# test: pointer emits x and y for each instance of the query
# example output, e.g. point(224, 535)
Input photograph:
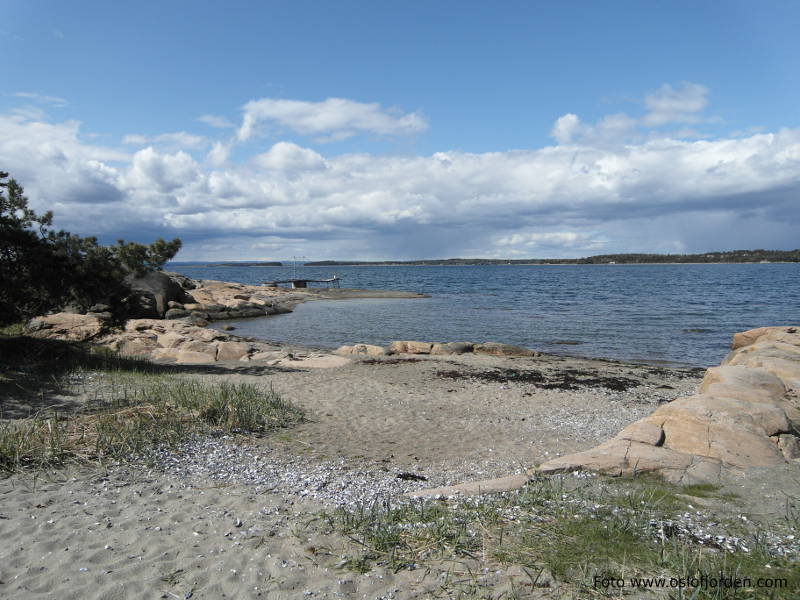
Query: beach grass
point(130, 407)
point(612, 543)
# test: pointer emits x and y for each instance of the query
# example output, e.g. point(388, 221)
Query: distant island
point(245, 264)
point(732, 256)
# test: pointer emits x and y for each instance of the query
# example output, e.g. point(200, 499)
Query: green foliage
point(42, 268)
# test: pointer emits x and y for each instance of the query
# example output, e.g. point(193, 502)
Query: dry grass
point(132, 408)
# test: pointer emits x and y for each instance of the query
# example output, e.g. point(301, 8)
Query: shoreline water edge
point(415, 430)
point(673, 314)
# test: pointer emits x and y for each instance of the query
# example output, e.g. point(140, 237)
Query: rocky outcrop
point(181, 342)
point(220, 300)
point(66, 326)
point(444, 348)
point(746, 414)
point(435, 349)
point(410, 347)
point(160, 294)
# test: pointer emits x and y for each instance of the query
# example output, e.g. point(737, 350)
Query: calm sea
point(683, 314)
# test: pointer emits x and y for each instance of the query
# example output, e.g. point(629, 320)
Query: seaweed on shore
point(389, 361)
point(683, 373)
point(567, 379)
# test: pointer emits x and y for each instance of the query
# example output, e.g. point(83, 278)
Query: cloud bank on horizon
point(265, 189)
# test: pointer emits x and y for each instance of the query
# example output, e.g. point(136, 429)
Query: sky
point(378, 130)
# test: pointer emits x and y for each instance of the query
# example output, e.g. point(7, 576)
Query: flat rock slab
point(474, 488)
point(66, 326)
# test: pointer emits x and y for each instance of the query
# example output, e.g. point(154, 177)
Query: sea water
point(682, 314)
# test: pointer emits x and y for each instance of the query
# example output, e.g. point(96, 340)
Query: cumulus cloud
point(218, 155)
point(666, 106)
point(286, 156)
point(566, 128)
point(151, 170)
point(333, 119)
point(576, 198)
point(611, 129)
point(56, 167)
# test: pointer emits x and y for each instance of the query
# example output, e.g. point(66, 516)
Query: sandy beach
point(238, 516)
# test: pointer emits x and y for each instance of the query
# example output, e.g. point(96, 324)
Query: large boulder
point(152, 293)
point(181, 280)
point(135, 346)
point(66, 326)
point(232, 350)
point(171, 340)
point(197, 346)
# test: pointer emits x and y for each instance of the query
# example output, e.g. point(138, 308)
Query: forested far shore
point(732, 256)
point(244, 264)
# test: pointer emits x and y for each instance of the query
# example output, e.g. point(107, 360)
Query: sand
point(226, 518)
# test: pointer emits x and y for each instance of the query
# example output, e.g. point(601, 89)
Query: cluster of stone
point(746, 414)
point(177, 341)
point(435, 348)
point(181, 342)
point(218, 300)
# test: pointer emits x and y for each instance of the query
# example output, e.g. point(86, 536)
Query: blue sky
point(379, 130)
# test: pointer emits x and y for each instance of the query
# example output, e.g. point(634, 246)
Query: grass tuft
point(133, 408)
point(577, 538)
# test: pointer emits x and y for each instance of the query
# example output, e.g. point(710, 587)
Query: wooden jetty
point(303, 283)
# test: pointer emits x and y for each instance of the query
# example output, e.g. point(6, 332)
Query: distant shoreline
point(729, 257)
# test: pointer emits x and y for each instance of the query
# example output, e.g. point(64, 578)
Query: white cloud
point(666, 106)
point(334, 118)
point(54, 100)
point(286, 156)
point(566, 128)
point(177, 139)
point(216, 121)
point(578, 198)
point(671, 105)
point(611, 129)
point(552, 238)
point(218, 155)
point(151, 171)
